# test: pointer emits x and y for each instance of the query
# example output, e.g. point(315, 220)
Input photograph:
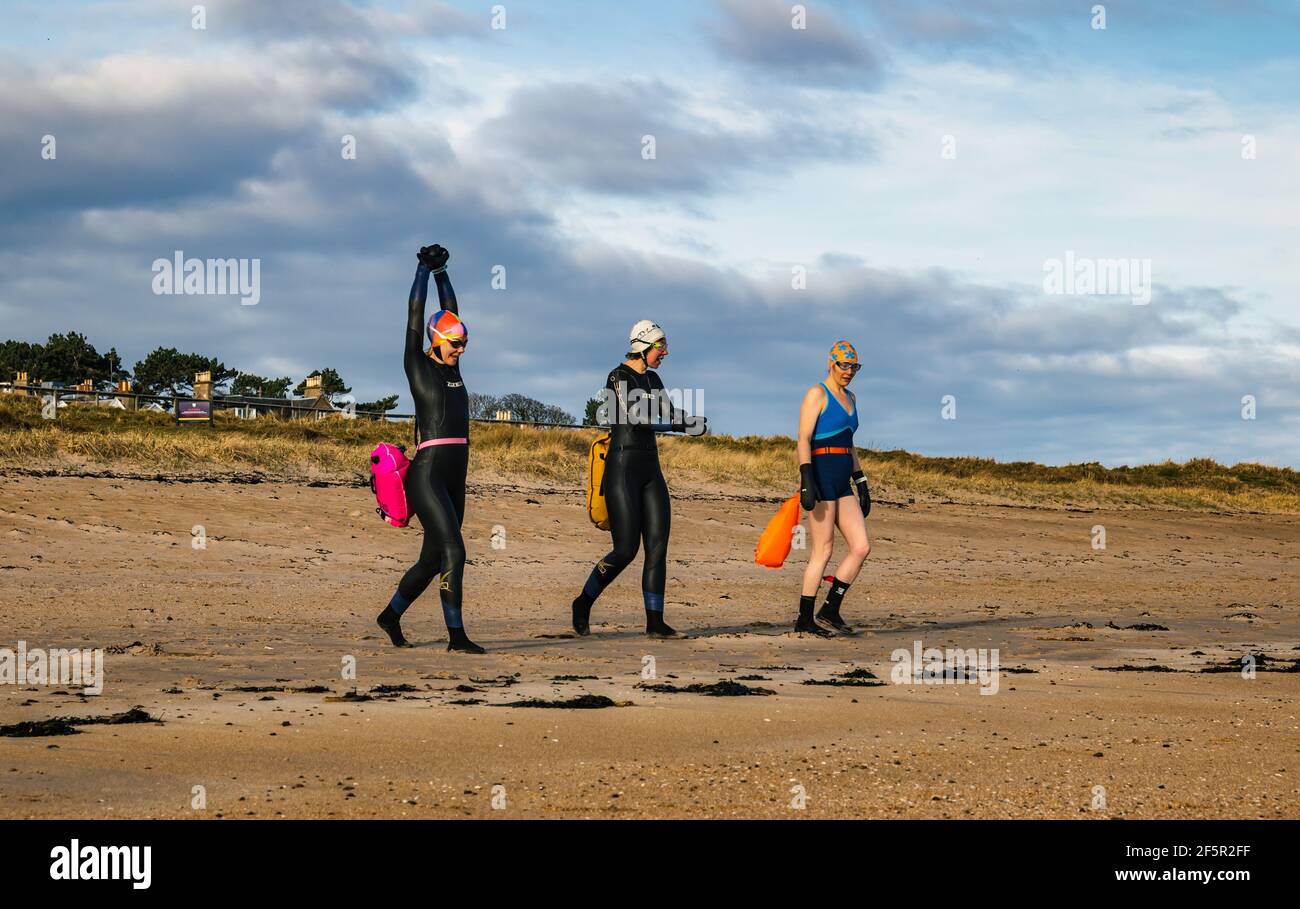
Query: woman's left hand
point(864, 491)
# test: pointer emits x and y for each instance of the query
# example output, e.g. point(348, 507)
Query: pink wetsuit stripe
point(446, 441)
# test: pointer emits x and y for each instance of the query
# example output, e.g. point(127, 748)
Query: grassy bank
point(100, 438)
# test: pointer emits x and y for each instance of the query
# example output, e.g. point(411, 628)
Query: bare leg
point(821, 527)
point(854, 527)
point(821, 533)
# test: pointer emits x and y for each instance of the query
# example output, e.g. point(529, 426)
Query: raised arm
point(433, 261)
point(446, 296)
point(415, 315)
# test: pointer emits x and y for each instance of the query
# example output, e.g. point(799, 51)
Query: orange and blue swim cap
point(844, 352)
point(445, 325)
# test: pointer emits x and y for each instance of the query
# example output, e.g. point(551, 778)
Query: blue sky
point(777, 149)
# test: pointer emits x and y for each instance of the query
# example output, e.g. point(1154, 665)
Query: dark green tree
point(167, 370)
point(331, 384)
point(115, 368)
point(248, 384)
point(383, 405)
point(20, 356)
point(71, 359)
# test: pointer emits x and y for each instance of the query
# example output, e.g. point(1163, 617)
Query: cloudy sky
point(920, 165)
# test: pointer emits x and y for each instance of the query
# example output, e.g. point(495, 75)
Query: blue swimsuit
point(834, 429)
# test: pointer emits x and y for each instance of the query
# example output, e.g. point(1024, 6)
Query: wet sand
point(286, 591)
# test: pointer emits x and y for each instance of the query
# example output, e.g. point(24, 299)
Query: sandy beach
point(283, 595)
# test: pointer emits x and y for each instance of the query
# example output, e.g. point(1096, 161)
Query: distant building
point(314, 404)
point(20, 379)
point(251, 406)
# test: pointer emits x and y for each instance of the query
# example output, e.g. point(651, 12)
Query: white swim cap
point(643, 336)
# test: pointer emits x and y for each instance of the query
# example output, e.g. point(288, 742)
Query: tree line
point(70, 359)
point(520, 407)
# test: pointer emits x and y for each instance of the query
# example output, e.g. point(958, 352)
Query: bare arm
point(814, 401)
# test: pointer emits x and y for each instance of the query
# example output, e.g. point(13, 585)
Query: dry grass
point(1199, 484)
point(335, 448)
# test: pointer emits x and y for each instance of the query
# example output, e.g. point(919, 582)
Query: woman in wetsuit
point(435, 481)
point(635, 491)
point(833, 488)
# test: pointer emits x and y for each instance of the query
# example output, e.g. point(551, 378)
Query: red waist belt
point(825, 451)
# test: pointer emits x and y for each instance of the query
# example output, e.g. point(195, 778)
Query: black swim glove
point(864, 491)
point(433, 257)
point(807, 487)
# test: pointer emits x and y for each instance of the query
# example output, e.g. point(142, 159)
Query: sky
point(902, 176)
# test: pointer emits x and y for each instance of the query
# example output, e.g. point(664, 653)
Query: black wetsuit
point(635, 492)
point(435, 481)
